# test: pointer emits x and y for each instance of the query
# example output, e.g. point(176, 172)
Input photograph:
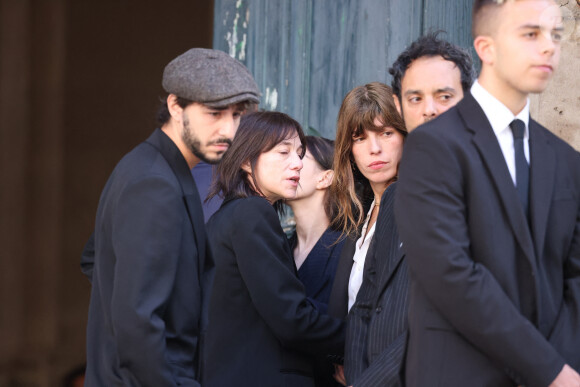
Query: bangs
point(285, 133)
point(364, 119)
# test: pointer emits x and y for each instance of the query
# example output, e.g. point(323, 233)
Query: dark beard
point(194, 145)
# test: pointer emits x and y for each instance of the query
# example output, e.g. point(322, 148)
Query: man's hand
point(566, 377)
point(339, 374)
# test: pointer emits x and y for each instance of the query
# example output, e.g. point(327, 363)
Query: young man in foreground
point(488, 209)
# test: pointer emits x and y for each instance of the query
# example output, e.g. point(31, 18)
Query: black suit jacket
point(317, 275)
point(149, 269)
point(261, 324)
point(377, 322)
point(319, 268)
point(494, 301)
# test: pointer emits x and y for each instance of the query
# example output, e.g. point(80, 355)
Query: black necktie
point(525, 272)
point(522, 168)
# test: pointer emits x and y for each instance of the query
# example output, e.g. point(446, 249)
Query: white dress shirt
point(500, 117)
point(360, 254)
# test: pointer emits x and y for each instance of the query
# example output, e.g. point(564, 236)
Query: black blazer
point(149, 270)
point(259, 316)
point(377, 322)
point(338, 302)
point(317, 275)
point(494, 301)
point(319, 268)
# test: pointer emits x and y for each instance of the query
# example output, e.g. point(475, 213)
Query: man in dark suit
point(147, 260)
point(488, 209)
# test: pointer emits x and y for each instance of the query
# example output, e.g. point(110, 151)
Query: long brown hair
point(350, 189)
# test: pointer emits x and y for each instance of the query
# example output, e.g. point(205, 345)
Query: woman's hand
point(339, 374)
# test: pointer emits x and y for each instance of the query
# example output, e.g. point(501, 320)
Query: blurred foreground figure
point(488, 210)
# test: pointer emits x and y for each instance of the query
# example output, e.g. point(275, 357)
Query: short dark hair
point(430, 45)
point(163, 114)
point(481, 10)
point(258, 132)
point(322, 150)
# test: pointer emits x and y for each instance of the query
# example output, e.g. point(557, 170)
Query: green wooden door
point(307, 54)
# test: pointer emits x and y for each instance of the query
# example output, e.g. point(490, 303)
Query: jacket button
point(379, 309)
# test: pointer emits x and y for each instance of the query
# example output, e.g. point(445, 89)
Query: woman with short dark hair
point(316, 244)
point(261, 324)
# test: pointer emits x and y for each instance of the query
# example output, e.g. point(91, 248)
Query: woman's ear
point(246, 167)
point(325, 179)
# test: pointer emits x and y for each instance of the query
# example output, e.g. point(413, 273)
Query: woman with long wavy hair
point(372, 279)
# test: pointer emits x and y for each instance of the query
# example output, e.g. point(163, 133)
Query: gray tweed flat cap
point(211, 77)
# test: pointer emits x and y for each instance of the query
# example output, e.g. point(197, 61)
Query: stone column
point(558, 107)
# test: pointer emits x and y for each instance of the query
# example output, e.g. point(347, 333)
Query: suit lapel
point(193, 205)
point(191, 198)
point(542, 174)
point(338, 303)
point(488, 147)
point(372, 262)
point(391, 268)
point(386, 252)
point(314, 266)
point(389, 246)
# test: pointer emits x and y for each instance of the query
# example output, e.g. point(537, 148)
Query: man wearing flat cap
point(148, 259)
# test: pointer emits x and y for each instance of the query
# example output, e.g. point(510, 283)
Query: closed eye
point(301, 153)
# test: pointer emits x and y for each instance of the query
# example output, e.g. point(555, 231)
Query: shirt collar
point(498, 115)
point(370, 211)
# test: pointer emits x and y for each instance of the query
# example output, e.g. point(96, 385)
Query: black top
point(259, 315)
point(318, 269)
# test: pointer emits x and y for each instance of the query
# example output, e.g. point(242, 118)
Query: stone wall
point(558, 108)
